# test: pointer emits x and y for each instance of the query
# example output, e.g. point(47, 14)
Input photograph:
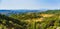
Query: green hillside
point(39, 20)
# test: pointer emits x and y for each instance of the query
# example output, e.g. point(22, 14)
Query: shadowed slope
point(11, 19)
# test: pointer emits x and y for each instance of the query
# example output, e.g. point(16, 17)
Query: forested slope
point(9, 23)
point(49, 19)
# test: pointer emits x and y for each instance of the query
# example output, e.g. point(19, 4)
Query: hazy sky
point(29, 4)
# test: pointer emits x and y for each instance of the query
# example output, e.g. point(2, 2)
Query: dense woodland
point(49, 19)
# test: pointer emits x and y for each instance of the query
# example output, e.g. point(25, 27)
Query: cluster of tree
point(25, 16)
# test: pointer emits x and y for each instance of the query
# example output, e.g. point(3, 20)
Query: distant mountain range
point(7, 12)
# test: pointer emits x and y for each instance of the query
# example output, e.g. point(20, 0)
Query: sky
point(29, 4)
